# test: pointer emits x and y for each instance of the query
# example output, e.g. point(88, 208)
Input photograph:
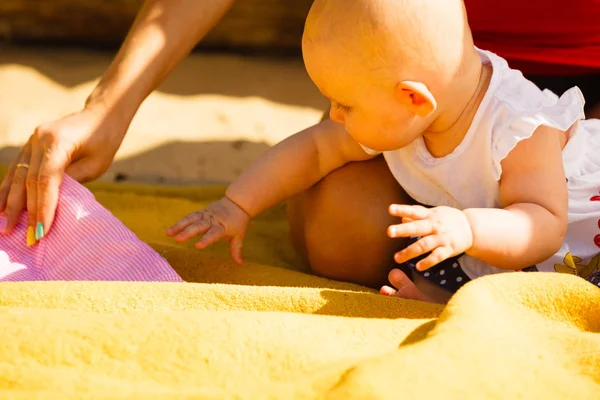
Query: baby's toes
point(403, 287)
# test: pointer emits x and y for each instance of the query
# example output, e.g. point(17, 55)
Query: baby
point(507, 176)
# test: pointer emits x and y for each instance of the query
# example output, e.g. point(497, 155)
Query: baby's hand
point(220, 220)
point(444, 231)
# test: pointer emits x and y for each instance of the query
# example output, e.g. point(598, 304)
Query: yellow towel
point(267, 330)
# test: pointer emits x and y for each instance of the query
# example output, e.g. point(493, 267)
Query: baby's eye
point(341, 107)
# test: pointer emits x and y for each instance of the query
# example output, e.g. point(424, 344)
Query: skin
point(344, 247)
point(532, 187)
point(385, 108)
point(84, 143)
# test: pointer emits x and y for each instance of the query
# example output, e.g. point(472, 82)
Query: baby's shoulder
point(514, 107)
point(514, 103)
point(512, 97)
point(515, 94)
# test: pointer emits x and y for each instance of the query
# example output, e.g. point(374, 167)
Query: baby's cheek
point(361, 125)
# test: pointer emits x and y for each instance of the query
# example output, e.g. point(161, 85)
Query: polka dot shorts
point(448, 274)
point(595, 278)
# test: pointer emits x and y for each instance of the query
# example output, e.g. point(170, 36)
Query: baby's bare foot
point(403, 287)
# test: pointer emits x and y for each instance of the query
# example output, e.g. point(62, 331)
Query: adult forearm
point(163, 33)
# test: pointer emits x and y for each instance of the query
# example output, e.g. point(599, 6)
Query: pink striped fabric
point(86, 243)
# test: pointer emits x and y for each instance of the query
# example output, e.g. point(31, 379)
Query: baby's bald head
point(417, 36)
point(386, 65)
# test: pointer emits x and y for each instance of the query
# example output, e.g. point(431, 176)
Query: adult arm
point(84, 144)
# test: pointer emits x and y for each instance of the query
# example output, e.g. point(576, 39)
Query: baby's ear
point(416, 97)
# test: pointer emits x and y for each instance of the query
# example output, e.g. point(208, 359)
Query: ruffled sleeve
point(560, 113)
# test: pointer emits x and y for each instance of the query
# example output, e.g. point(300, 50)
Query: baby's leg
point(339, 225)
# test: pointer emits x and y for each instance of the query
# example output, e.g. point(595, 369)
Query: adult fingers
point(415, 228)
point(53, 161)
point(420, 247)
point(16, 200)
point(32, 181)
point(5, 186)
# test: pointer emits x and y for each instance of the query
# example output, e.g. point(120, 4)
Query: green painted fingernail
point(39, 231)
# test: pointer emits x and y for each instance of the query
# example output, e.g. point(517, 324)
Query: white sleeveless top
point(511, 110)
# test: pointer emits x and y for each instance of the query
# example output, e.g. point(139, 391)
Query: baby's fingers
point(235, 247)
point(410, 212)
point(184, 222)
point(437, 256)
point(196, 229)
point(215, 233)
point(408, 229)
point(420, 247)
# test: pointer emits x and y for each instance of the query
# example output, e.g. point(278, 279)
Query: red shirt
point(544, 37)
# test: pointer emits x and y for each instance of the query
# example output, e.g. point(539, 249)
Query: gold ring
point(24, 165)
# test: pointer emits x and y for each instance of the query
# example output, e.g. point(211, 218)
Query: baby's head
point(387, 66)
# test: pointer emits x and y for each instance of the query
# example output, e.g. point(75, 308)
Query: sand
point(213, 115)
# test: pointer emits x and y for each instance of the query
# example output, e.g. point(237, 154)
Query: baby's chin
point(404, 141)
point(381, 141)
point(391, 146)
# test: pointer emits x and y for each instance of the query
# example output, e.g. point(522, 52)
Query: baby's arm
point(288, 168)
point(533, 191)
point(294, 165)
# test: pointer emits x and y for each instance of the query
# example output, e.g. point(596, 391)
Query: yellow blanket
point(267, 330)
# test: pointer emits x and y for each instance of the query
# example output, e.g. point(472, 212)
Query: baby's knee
point(366, 264)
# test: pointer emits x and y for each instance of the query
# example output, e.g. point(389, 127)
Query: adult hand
point(445, 232)
point(82, 144)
